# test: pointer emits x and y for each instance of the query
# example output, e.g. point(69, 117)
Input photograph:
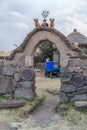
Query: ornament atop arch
point(44, 23)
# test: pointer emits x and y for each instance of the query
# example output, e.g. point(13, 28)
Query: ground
point(44, 116)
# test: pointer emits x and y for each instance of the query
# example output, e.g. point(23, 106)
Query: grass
point(53, 91)
point(6, 115)
point(44, 85)
point(74, 116)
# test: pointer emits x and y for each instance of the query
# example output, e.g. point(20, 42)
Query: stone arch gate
point(73, 63)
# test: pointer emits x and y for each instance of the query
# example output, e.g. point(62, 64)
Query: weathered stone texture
point(21, 81)
point(68, 88)
point(16, 77)
point(79, 97)
point(5, 85)
point(63, 97)
point(65, 77)
point(26, 84)
point(8, 70)
point(84, 64)
point(24, 93)
point(27, 74)
point(74, 62)
point(78, 80)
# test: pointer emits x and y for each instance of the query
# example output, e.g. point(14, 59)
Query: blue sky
point(16, 18)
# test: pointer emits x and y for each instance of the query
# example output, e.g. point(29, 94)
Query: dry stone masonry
point(17, 82)
point(74, 80)
point(17, 78)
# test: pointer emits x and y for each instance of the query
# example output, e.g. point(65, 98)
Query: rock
point(0, 72)
point(27, 74)
point(63, 97)
point(14, 84)
point(16, 77)
point(80, 103)
point(85, 73)
point(10, 95)
point(86, 82)
point(24, 93)
point(75, 69)
point(82, 90)
point(70, 94)
point(64, 69)
point(67, 88)
point(1, 63)
point(75, 62)
point(78, 80)
point(8, 71)
point(12, 104)
point(65, 77)
point(79, 97)
point(5, 85)
point(84, 65)
point(26, 84)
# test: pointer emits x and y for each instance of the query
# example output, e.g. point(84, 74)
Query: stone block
point(85, 73)
point(74, 62)
point(71, 94)
point(27, 74)
point(14, 84)
point(26, 84)
point(28, 61)
point(79, 97)
point(8, 71)
point(0, 72)
point(80, 103)
point(75, 69)
point(5, 85)
point(24, 93)
point(65, 77)
point(84, 64)
point(64, 69)
point(78, 80)
point(63, 97)
point(82, 90)
point(16, 77)
point(67, 88)
point(1, 63)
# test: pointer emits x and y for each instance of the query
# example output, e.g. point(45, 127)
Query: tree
point(46, 48)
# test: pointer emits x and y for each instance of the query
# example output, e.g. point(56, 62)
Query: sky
point(16, 18)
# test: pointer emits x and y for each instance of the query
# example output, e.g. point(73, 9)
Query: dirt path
point(43, 115)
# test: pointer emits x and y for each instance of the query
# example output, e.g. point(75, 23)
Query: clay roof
point(77, 37)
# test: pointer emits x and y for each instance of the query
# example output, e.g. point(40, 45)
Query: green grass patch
point(52, 91)
point(11, 114)
point(28, 107)
point(75, 116)
point(82, 109)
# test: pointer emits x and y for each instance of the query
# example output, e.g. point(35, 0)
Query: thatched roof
point(77, 37)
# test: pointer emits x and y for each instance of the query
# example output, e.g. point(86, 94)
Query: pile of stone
point(74, 80)
point(26, 83)
point(17, 82)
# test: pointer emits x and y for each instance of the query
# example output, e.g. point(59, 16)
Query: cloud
point(16, 18)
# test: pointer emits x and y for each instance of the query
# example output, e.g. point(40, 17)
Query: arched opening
point(46, 51)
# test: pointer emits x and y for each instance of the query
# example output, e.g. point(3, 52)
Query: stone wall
point(16, 81)
point(74, 80)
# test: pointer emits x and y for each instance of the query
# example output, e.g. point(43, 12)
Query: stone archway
point(73, 62)
point(29, 45)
